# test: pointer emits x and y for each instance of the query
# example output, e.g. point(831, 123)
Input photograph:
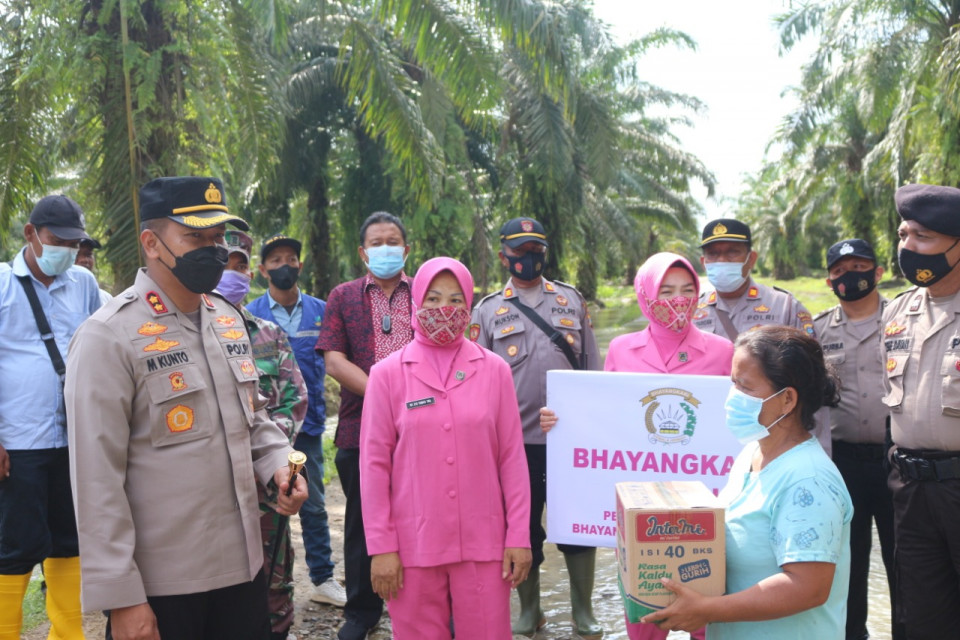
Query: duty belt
point(916, 466)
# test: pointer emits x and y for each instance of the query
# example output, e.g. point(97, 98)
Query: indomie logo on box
point(667, 526)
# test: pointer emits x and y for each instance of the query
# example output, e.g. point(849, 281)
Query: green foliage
point(878, 109)
point(454, 114)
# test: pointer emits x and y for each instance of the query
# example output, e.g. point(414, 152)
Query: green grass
point(34, 607)
point(813, 292)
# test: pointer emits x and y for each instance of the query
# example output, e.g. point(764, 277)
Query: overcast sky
point(736, 71)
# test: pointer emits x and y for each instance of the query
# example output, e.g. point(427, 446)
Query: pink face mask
point(672, 313)
point(443, 325)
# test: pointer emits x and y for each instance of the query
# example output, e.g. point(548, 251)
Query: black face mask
point(529, 266)
point(199, 270)
point(854, 285)
point(924, 270)
point(284, 277)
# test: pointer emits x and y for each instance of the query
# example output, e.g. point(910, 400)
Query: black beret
point(936, 208)
point(854, 247)
point(725, 230)
point(279, 240)
point(192, 201)
point(522, 230)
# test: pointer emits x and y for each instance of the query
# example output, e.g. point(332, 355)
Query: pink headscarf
point(440, 357)
point(647, 285)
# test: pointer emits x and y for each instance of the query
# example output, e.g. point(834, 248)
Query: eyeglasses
point(386, 324)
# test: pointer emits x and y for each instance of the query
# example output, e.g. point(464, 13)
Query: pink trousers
point(640, 631)
point(479, 597)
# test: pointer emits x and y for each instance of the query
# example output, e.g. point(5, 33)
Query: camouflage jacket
point(281, 382)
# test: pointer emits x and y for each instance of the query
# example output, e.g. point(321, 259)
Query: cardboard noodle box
point(668, 530)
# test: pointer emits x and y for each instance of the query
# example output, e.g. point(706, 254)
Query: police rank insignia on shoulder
point(233, 334)
point(151, 329)
point(508, 293)
point(206, 301)
point(916, 302)
point(549, 288)
point(160, 345)
point(753, 292)
point(712, 298)
point(226, 321)
point(562, 301)
point(156, 302)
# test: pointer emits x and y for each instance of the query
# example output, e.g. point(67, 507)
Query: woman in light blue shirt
point(788, 511)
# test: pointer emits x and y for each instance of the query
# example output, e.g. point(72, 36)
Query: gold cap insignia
point(719, 229)
point(213, 195)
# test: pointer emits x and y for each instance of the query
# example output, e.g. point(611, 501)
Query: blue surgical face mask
point(743, 416)
point(55, 260)
point(386, 260)
point(234, 286)
point(725, 276)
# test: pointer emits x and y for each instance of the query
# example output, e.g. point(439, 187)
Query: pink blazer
point(705, 354)
point(443, 474)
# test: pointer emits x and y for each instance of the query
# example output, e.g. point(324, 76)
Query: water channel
point(555, 597)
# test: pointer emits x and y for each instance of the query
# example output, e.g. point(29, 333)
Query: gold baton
point(295, 460)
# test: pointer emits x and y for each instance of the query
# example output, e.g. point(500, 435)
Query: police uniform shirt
point(167, 438)
point(921, 350)
point(501, 327)
point(759, 306)
point(851, 349)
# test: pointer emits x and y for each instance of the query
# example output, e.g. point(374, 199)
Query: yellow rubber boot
point(12, 590)
point(63, 598)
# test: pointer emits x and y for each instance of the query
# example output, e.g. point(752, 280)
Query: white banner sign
point(616, 427)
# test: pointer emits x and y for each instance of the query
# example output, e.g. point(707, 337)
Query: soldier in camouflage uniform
point(281, 383)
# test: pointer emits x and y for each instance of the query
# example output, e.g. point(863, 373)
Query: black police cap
point(61, 216)
point(850, 248)
point(725, 230)
point(279, 240)
point(195, 202)
point(521, 230)
point(936, 208)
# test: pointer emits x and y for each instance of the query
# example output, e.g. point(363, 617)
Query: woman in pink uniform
point(667, 289)
point(443, 476)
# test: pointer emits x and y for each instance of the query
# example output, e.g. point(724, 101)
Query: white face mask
point(725, 276)
point(55, 260)
point(743, 416)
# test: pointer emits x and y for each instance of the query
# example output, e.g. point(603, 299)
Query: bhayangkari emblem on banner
point(671, 415)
